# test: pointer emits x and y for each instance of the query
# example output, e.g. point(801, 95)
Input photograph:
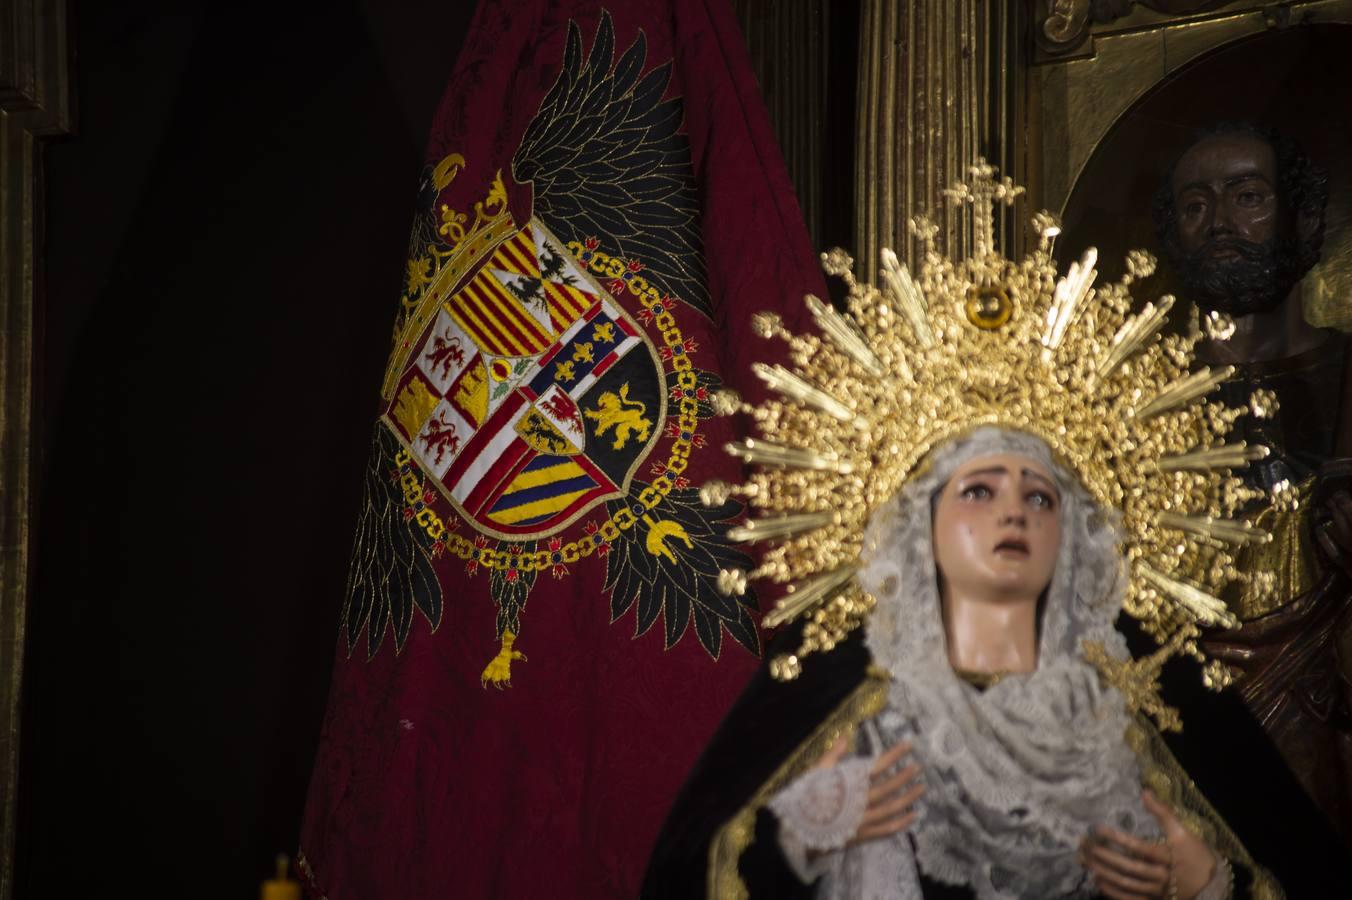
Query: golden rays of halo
point(987, 340)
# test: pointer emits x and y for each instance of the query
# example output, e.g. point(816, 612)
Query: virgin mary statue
point(965, 482)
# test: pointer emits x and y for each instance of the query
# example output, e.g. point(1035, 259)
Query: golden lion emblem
point(624, 415)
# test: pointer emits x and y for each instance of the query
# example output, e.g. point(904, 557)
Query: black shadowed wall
point(225, 237)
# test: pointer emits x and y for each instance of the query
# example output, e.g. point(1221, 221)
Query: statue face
point(1225, 187)
point(997, 528)
point(1228, 224)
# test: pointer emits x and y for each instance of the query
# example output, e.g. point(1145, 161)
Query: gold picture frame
point(1087, 76)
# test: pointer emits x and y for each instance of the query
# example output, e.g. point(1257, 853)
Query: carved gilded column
point(34, 104)
point(940, 82)
point(789, 47)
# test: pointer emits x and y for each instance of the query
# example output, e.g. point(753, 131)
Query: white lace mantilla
point(1018, 774)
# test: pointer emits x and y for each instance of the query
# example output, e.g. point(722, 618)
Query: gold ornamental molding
point(34, 105)
point(1094, 59)
point(1062, 27)
point(941, 82)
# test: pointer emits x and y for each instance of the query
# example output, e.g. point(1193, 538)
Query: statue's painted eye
point(976, 492)
point(1042, 500)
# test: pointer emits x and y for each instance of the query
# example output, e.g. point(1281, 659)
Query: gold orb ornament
point(989, 307)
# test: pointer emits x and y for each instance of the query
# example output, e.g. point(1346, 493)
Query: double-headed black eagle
point(605, 159)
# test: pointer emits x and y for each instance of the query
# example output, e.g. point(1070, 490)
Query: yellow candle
point(281, 887)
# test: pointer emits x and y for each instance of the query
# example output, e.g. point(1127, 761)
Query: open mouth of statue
point(1012, 547)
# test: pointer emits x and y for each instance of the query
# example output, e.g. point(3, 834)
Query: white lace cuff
point(801, 862)
point(820, 811)
point(1222, 883)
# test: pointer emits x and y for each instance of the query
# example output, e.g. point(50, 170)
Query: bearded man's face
point(1235, 249)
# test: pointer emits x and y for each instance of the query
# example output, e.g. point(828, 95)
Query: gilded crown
point(437, 266)
point(989, 340)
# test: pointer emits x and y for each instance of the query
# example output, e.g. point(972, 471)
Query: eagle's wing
point(674, 572)
point(391, 572)
point(606, 159)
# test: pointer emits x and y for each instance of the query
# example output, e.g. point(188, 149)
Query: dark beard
point(1255, 280)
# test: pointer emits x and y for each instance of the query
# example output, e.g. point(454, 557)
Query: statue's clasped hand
point(1129, 868)
point(891, 795)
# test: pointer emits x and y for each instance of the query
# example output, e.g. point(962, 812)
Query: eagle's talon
point(498, 672)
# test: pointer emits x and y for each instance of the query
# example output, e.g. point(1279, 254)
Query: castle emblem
point(498, 391)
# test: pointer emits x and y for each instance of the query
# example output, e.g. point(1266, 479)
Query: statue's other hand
point(890, 796)
point(1331, 523)
point(1128, 868)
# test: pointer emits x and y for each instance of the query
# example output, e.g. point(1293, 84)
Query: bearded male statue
point(1241, 219)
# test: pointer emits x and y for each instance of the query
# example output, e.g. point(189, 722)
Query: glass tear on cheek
point(406, 724)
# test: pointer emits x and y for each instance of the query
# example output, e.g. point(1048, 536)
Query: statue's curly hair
point(1302, 186)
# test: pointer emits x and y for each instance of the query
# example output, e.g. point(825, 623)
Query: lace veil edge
point(1161, 772)
point(737, 834)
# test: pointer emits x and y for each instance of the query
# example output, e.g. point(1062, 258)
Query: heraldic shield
point(530, 396)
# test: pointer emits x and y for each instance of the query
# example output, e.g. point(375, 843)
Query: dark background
point(225, 236)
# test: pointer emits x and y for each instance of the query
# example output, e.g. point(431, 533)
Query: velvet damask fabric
point(534, 649)
point(773, 719)
point(767, 725)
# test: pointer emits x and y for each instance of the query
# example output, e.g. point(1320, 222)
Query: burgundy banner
point(534, 646)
